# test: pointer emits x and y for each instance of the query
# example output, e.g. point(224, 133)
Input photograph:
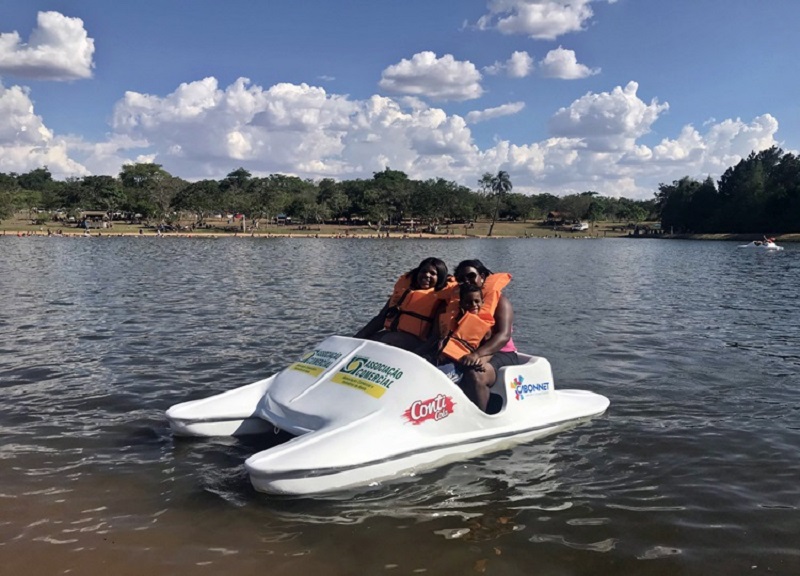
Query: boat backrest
point(520, 384)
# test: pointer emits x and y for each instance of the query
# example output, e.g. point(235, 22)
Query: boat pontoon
point(362, 412)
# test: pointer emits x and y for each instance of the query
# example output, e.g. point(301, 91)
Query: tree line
point(760, 194)
point(150, 193)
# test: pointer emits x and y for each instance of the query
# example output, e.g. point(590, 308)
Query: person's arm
point(375, 324)
point(501, 334)
point(430, 347)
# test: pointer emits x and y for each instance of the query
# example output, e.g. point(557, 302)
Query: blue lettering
point(531, 388)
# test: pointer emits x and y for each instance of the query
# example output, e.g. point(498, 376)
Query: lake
point(693, 470)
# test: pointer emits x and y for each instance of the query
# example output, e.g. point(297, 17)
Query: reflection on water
point(692, 471)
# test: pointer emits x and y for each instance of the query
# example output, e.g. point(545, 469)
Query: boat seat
point(495, 404)
point(498, 395)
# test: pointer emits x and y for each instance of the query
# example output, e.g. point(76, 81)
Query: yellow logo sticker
point(314, 363)
point(374, 390)
point(307, 368)
point(367, 375)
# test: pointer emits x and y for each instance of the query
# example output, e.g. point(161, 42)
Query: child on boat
point(470, 302)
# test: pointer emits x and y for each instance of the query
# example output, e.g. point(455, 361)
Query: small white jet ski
point(762, 245)
point(363, 412)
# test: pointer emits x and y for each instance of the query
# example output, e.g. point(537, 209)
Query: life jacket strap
point(394, 311)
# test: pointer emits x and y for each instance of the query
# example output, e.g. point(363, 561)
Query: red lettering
point(435, 408)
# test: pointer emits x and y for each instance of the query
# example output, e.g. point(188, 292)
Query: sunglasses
point(472, 276)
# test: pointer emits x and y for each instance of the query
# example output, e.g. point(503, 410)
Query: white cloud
point(538, 19)
point(203, 130)
point(20, 125)
point(519, 65)
point(25, 142)
point(722, 146)
point(608, 121)
point(59, 49)
point(490, 113)
point(426, 75)
point(242, 122)
point(561, 63)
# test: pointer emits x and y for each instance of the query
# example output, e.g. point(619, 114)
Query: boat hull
point(363, 412)
point(326, 480)
point(766, 246)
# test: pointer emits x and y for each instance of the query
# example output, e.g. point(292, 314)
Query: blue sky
point(613, 96)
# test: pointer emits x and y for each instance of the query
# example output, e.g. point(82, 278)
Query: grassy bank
point(480, 229)
point(22, 224)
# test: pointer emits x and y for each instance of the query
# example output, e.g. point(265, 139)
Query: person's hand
point(473, 361)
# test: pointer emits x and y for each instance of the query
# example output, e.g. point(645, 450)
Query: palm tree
point(501, 185)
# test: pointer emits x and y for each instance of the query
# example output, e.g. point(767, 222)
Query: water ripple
point(692, 470)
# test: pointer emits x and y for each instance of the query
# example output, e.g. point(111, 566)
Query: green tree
point(702, 211)
point(598, 208)
point(8, 189)
point(673, 202)
point(546, 203)
point(301, 197)
point(576, 206)
point(782, 203)
point(39, 180)
point(338, 203)
point(234, 189)
point(148, 189)
point(519, 207)
point(500, 185)
point(394, 191)
point(267, 199)
point(200, 198)
point(742, 193)
point(101, 193)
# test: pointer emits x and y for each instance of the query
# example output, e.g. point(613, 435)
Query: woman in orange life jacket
point(482, 364)
point(406, 319)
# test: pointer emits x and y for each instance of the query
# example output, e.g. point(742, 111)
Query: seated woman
point(406, 319)
point(480, 365)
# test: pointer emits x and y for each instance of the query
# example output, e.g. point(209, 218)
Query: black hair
point(465, 289)
point(441, 272)
point(474, 263)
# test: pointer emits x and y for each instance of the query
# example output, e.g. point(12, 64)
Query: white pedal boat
point(363, 412)
point(758, 245)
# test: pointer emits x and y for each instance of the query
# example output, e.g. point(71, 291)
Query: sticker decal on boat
point(521, 390)
point(436, 408)
point(315, 362)
point(367, 375)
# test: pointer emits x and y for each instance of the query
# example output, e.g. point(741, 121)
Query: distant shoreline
point(24, 226)
point(99, 233)
point(374, 235)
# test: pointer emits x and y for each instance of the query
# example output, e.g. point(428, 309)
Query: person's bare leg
point(477, 385)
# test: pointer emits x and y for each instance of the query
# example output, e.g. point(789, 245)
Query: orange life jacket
point(412, 311)
point(463, 334)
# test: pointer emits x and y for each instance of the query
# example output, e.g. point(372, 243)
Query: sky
point(567, 96)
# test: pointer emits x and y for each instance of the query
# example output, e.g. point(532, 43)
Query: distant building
point(94, 219)
point(554, 218)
